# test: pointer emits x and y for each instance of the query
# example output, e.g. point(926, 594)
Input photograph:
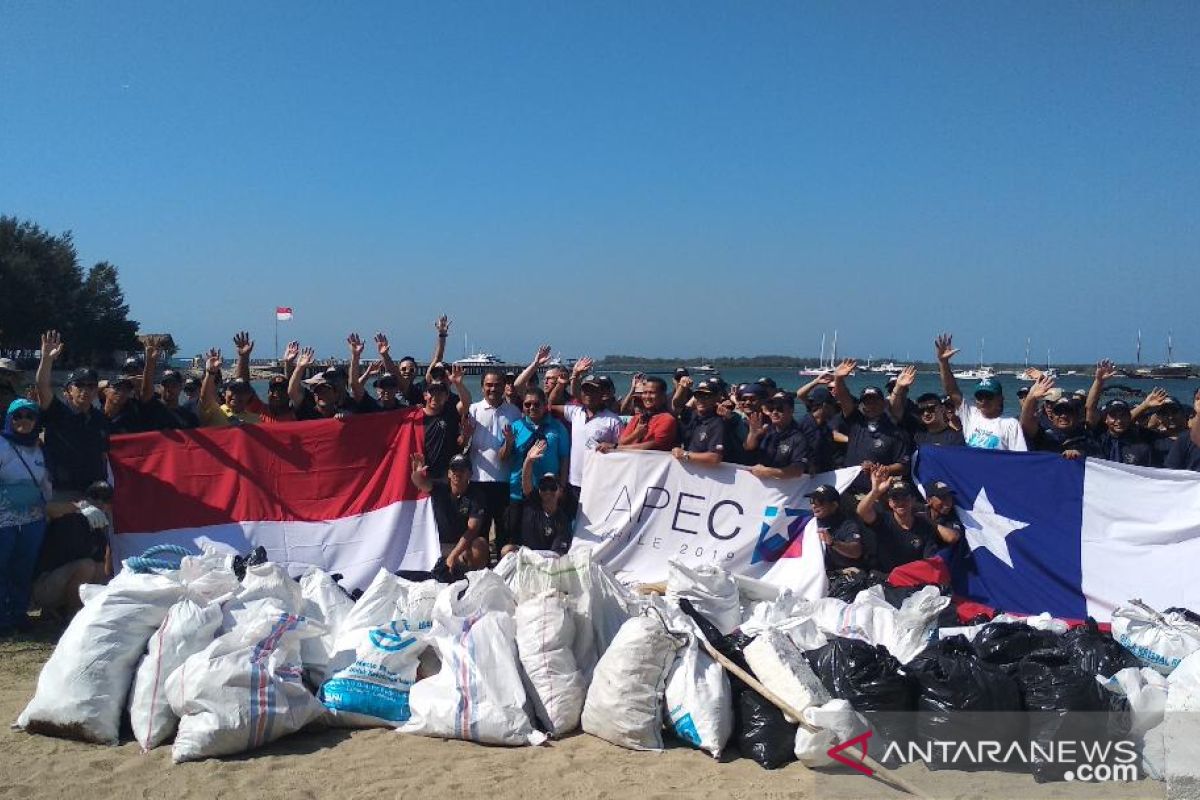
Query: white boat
point(888, 367)
point(480, 360)
point(979, 373)
point(822, 367)
point(707, 369)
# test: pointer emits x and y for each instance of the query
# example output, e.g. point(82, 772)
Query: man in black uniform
point(933, 426)
point(459, 518)
point(1053, 422)
point(874, 439)
point(901, 535)
point(1118, 439)
point(780, 446)
point(702, 431)
point(816, 426)
point(939, 499)
point(845, 547)
point(76, 431)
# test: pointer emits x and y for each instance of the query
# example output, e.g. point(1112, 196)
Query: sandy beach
point(379, 763)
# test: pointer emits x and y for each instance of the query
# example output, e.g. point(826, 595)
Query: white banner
point(641, 509)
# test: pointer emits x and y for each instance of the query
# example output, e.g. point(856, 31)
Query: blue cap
point(820, 396)
point(989, 386)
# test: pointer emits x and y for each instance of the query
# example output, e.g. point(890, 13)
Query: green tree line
point(45, 286)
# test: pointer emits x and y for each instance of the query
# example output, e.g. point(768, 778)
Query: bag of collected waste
point(1068, 704)
point(624, 703)
point(846, 586)
point(328, 604)
point(545, 633)
point(962, 698)
point(246, 688)
point(711, 591)
point(1095, 652)
point(1006, 643)
point(373, 691)
point(1160, 641)
point(1146, 691)
point(870, 617)
point(834, 722)
point(874, 684)
point(761, 731)
point(478, 694)
point(781, 667)
point(699, 700)
point(265, 581)
point(188, 628)
point(82, 689)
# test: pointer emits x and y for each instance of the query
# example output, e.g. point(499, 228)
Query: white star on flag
point(988, 529)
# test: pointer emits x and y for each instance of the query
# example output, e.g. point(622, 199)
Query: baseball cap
point(191, 382)
point(131, 366)
point(1064, 405)
point(900, 489)
point(8, 365)
point(682, 372)
point(510, 377)
point(707, 387)
point(1022, 392)
point(989, 386)
point(83, 375)
point(459, 461)
point(171, 376)
point(120, 381)
point(335, 375)
point(599, 381)
point(750, 390)
point(786, 398)
point(387, 381)
point(1054, 395)
point(239, 386)
point(1116, 406)
point(437, 386)
point(276, 380)
point(1169, 405)
point(820, 396)
point(929, 397)
point(938, 489)
point(824, 492)
point(439, 367)
point(548, 481)
point(870, 391)
point(767, 383)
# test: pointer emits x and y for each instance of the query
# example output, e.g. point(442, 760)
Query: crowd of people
point(506, 470)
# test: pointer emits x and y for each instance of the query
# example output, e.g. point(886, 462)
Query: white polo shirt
point(488, 438)
point(586, 434)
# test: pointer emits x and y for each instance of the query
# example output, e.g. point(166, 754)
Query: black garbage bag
point(255, 557)
point(1066, 704)
point(962, 698)
point(760, 730)
point(1006, 643)
point(847, 586)
point(874, 683)
point(1095, 652)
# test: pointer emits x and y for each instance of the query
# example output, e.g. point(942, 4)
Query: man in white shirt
point(982, 423)
point(592, 424)
point(490, 447)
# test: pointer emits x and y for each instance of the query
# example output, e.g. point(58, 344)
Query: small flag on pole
point(283, 313)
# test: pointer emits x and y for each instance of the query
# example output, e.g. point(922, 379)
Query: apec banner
point(336, 494)
point(641, 509)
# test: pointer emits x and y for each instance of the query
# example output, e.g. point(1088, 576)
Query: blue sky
point(656, 178)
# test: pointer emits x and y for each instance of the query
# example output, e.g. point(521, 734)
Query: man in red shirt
point(654, 428)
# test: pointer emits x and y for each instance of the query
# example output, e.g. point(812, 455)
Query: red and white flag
point(337, 494)
point(283, 313)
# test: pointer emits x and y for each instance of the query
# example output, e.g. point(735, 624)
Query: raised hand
point(880, 478)
point(151, 351)
point(1157, 397)
point(356, 345)
point(442, 325)
point(825, 378)
point(243, 343)
point(757, 426)
point(906, 378)
point(1105, 369)
point(374, 368)
point(291, 351)
point(582, 366)
point(686, 382)
point(509, 434)
point(943, 347)
point(537, 451)
point(455, 375)
point(212, 360)
point(1041, 387)
point(418, 464)
point(382, 345)
point(52, 345)
point(306, 357)
point(845, 368)
point(542, 355)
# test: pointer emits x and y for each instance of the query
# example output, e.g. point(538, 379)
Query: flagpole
point(277, 336)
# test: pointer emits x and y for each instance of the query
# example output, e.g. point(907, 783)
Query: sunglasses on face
point(532, 404)
point(86, 386)
point(928, 409)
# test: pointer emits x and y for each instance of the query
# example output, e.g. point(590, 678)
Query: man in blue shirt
point(536, 425)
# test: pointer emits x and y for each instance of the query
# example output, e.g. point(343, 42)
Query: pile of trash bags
point(223, 655)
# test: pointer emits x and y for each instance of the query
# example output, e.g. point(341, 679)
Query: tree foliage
point(44, 286)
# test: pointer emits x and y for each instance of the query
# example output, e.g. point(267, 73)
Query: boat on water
point(705, 369)
point(823, 367)
point(976, 373)
point(888, 368)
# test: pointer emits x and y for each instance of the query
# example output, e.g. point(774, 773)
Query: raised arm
point(146, 393)
point(899, 399)
point(944, 350)
point(1104, 370)
point(353, 378)
point(245, 346)
point(1031, 403)
point(358, 387)
point(212, 374)
point(840, 392)
point(455, 376)
point(442, 326)
point(385, 354)
point(635, 386)
point(290, 353)
point(578, 372)
point(824, 379)
point(682, 394)
point(535, 452)
point(52, 348)
point(1153, 400)
point(539, 360)
point(880, 481)
point(420, 473)
point(296, 380)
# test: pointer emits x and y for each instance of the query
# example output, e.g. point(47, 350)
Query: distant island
point(613, 362)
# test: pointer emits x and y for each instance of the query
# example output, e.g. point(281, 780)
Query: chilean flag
point(337, 494)
point(283, 313)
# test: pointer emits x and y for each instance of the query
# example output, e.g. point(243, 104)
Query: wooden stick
point(878, 770)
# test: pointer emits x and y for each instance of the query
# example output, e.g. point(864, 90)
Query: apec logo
point(860, 742)
point(773, 543)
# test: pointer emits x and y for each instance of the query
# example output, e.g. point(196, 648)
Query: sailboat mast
point(1027, 353)
point(833, 352)
point(821, 360)
point(1139, 347)
point(1170, 348)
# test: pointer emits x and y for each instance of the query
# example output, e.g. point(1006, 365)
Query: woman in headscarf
point(24, 490)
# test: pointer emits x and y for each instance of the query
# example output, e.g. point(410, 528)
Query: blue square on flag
point(1023, 515)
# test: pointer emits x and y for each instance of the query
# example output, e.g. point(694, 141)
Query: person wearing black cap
point(702, 432)
point(817, 426)
point(1185, 452)
point(1052, 423)
point(241, 406)
point(1167, 422)
point(1114, 436)
point(874, 438)
point(779, 447)
point(983, 425)
point(901, 535)
point(933, 426)
point(163, 411)
point(389, 396)
point(845, 546)
point(682, 393)
point(10, 380)
point(593, 426)
point(939, 500)
point(544, 522)
point(460, 520)
point(76, 431)
point(655, 428)
point(119, 405)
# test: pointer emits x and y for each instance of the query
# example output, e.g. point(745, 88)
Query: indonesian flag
point(337, 494)
point(283, 313)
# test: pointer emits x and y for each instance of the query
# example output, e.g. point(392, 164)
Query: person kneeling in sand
point(75, 551)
